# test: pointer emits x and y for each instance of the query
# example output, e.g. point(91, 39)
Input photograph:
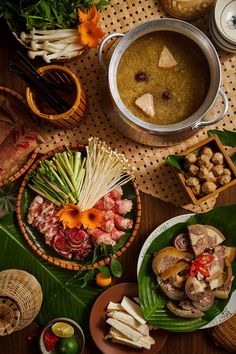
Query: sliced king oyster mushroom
point(198, 238)
point(206, 302)
point(190, 313)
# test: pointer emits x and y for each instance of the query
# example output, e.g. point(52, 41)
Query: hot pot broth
point(177, 91)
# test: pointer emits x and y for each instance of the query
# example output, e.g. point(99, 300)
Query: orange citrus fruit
point(101, 280)
point(63, 330)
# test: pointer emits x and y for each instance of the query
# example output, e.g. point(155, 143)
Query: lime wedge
point(63, 329)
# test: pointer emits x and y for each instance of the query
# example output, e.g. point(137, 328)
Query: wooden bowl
point(61, 76)
point(218, 147)
point(45, 252)
point(99, 328)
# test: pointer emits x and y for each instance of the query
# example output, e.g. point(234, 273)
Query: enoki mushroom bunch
point(64, 43)
point(105, 170)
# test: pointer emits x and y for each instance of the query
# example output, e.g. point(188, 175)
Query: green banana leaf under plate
point(153, 302)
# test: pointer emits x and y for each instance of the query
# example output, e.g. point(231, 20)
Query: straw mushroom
point(203, 160)
point(192, 181)
point(191, 158)
point(193, 170)
point(218, 170)
point(217, 158)
point(227, 171)
point(208, 187)
point(207, 151)
point(222, 180)
point(196, 189)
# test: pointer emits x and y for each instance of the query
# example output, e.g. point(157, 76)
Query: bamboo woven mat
point(154, 177)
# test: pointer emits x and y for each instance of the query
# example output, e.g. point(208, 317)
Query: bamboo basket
point(225, 334)
point(23, 290)
point(9, 316)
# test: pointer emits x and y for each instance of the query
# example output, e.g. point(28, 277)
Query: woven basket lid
point(9, 316)
point(23, 288)
point(187, 10)
point(225, 334)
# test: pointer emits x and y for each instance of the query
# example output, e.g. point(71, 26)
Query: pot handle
point(202, 123)
point(101, 46)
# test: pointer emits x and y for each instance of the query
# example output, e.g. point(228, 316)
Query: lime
point(67, 346)
point(63, 329)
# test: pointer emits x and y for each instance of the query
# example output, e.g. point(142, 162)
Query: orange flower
point(90, 34)
point(70, 216)
point(91, 15)
point(91, 218)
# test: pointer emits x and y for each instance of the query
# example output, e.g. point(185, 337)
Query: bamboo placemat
point(154, 177)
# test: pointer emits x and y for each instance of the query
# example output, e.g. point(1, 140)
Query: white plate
point(230, 308)
point(224, 13)
point(218, 39)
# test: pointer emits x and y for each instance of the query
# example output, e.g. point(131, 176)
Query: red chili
point(49, 340)
point(204, 271)
point(194, 268)
point(206, 258)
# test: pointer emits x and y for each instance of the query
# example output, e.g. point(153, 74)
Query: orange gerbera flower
point(70, 216)
point(91, 15)
point(90, 34)
point(91, 218)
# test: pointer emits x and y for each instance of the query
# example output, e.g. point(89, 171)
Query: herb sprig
point(44, 14)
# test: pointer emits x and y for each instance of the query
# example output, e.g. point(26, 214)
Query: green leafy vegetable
point(116, 268)
point(226, 136)
point(44, 14)
point(105, 271)
point(153, 302)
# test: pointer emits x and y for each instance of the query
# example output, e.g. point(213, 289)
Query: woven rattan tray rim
point(63, 263)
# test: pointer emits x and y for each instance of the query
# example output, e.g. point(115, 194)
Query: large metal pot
point(152, 134)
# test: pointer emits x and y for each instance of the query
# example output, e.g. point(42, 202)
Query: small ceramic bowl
point(225, 19)
point(216, 146)
point(78, 335)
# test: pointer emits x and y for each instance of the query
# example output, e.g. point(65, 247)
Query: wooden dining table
point(154, 212)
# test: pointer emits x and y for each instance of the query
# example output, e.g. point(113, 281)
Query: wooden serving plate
point(36, 240)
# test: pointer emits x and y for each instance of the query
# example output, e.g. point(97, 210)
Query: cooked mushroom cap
point(192, 181)
point(218, 170)
point(191, 158)
point(193, 170)
point(206, 302)
point(192, 313)
point(198, 238)
point(196, 189)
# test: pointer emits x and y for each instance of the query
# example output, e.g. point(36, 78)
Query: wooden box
point(215, 144)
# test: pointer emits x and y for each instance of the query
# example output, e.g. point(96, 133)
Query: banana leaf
point(62, 292)
point(226, 136)
point(153, 301)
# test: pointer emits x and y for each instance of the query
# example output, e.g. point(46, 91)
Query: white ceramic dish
point(218, 39)
point(230, 308)
point(225, 18)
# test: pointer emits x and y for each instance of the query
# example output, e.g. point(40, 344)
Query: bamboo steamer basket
point(225, 334)
point(61, 76)
point(23, 290)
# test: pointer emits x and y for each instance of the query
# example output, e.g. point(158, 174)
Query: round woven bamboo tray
point(9, 316)
point(225, 334)
point(57, 260)
point(24, 289)
point(33, 155)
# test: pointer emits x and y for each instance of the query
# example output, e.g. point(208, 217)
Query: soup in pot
point(163, 77)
